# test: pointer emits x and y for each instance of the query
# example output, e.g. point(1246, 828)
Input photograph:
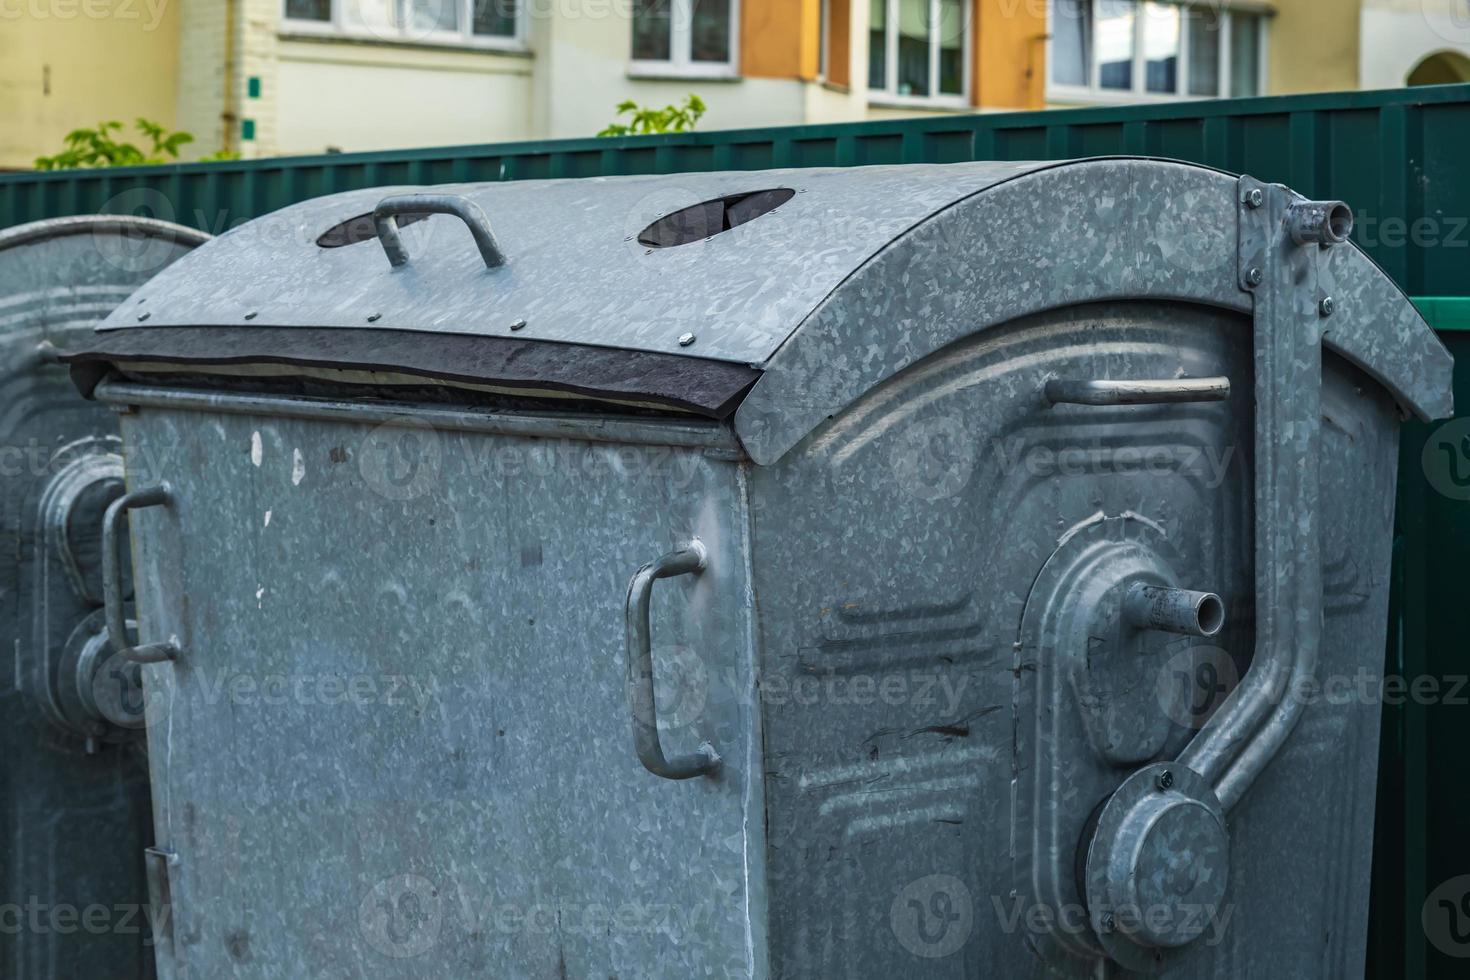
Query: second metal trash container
point(929, 571)
point(74, 811)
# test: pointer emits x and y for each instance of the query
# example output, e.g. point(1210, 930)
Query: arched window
point(1441, 68)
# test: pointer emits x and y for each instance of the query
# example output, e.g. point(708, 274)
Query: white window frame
point(340, 26)
point(681, 42)
point(889, 96)
point(1093, 92)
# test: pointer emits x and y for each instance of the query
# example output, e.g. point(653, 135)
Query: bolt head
point(518, 324)
point(1255, 276)
point(1165, 780)
point(1327, 307)
point(686, 339)
point(143, 316)
point(1254, 198)
point(251, 315)
point(374, 317)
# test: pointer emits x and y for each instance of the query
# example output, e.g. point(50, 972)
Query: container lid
point(718, 266)
point(776, 296)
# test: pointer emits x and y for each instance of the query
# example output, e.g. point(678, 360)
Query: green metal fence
point(1420, 835)
point(1396, 156)
point(1401, 158)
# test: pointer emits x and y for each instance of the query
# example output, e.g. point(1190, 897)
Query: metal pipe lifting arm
point(1238, 742)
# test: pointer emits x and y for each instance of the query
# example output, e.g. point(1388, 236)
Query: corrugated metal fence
point(1393, 155)
point(1400, 158)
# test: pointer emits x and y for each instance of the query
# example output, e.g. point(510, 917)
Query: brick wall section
point(222, 45)
point(201, 81)
point(256, 57)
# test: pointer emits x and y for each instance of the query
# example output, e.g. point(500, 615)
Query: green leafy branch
point(102, 147)
point(644, 120)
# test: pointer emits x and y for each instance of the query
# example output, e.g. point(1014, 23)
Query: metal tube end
point(1182, 611)
point(1319, 222)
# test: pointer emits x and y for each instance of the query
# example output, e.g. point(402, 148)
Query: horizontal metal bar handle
point(1096, 391)
point(690, 560)
point(385, 218)
point(112, 597)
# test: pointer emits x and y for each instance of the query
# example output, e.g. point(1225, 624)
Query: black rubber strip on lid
point(689, 384)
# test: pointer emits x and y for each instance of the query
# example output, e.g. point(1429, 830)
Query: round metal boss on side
point(1157, 866)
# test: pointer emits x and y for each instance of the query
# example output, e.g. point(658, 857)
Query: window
point(686, 37)
point(918, 50)
point(1119, 50)
point(1245, 56)
point(486, 23)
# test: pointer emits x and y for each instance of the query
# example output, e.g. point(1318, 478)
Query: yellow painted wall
point(1009, 54)
point(1313, 46)
point(66, 64)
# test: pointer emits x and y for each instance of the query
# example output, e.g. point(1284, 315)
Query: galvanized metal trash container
point(966, 550)
point(74, 781)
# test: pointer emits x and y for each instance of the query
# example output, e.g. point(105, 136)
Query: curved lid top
point(575, 270)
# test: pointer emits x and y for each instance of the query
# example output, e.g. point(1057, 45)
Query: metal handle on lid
point(385, 218)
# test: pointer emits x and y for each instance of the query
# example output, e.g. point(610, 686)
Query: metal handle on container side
point(1097, 391)
point(112, 597)
point(690, 560)
point(385, 218)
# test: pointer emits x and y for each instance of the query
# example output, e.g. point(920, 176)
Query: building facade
point(281, 77)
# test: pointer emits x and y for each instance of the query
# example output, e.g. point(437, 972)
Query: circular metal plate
point(1157, 867)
